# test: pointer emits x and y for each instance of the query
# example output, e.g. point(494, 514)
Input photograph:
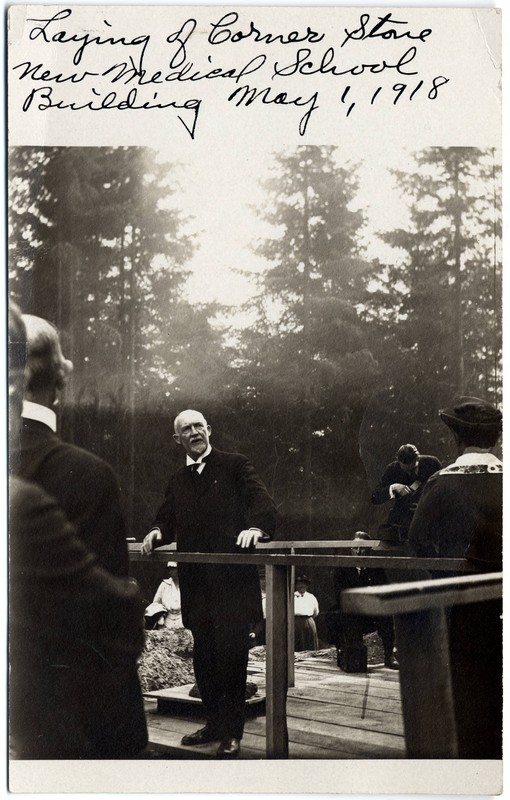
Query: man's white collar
point(39, 413)
point(190, 461)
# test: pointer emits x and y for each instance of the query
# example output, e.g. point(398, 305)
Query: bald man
point(216, 503)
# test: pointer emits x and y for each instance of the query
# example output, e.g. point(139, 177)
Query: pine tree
point(307, 353)
point(435, 314)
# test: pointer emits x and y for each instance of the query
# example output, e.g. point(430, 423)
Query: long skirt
point(305, 634)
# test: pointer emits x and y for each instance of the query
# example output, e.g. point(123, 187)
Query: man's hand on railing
point(250, 537)
point(151, 541)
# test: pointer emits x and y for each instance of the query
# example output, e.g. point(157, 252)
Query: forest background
point(334, 359)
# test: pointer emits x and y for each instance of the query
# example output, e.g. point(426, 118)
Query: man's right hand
point(151, 541)
point(400, 489)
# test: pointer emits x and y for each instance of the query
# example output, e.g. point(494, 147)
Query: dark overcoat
point(75, 633)
point(86, 489)
point(205, 514)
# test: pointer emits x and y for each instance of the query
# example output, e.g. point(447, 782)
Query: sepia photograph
point(255, 410)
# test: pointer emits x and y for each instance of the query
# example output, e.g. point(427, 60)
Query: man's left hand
point(249, 537)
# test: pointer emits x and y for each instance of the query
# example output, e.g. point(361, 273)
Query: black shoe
point(391, 662)
point(229, 747)
point(202, 736)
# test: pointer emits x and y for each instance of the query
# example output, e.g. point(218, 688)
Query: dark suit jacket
point(75, 632)
point(350, 578)
point(403, 507)
point(85, 487)
point(205, 514)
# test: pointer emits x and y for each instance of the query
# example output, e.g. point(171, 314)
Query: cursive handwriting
point(379, 30)
point(303, 65)
point(108, 70)
point(222, 32)
point(246, 95)
point(44, 100)
point(62, 37)
point(187, 72)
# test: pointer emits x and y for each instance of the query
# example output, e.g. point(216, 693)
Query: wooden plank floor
point(330, 714)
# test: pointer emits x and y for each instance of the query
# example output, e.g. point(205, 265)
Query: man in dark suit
point(216, 504)
point(346, 630)
point(75, 631)
point(83, 484)
point(402, 482)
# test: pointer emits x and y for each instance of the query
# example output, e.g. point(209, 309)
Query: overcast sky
point(221, 190)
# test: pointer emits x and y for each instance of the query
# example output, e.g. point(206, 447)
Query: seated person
point(402, 482)
point(306, 608)
point(165, 609)
point(346, 630)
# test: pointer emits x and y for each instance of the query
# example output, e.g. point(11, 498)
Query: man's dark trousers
point(220, 660)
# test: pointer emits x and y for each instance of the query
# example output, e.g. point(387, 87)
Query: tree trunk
point(457, 249)
point(308, 420)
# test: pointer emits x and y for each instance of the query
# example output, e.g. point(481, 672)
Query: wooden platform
point(178, 700)
point(330, 714)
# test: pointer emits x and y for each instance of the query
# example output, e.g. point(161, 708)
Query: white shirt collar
point(199, 460)
point(39, 413)
point(478, 459)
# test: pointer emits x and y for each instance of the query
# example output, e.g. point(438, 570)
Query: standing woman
point(306, 607)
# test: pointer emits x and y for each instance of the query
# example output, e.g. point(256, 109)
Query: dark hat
point(471, 413)
point(302, 579)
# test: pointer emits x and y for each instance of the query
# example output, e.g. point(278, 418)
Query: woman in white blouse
point(165, 609)
point(306, 608)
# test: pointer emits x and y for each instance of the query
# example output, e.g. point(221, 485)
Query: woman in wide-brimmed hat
point(460, 515)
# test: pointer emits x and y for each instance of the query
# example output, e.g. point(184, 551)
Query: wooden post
point(277, 614)
point(291, 673)
point(425, 684)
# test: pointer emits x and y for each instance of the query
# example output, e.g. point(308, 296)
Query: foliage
point(344, 360)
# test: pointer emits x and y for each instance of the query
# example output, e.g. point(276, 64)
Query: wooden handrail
point(405, 598)
point(262, 557)
point(325, 544)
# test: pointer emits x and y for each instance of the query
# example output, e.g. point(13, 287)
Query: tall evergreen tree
point(308, 352)
point(435, 312)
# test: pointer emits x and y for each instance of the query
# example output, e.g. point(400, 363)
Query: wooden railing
point(418, 609)
point(279, 606)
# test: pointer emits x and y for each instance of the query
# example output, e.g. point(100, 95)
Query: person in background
point(460, 515)
point(216, 503)
point(306, 608)
point(75, 631)
point(165, 609)
point(346, 630)
point(402, 482)
point(84, 485)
